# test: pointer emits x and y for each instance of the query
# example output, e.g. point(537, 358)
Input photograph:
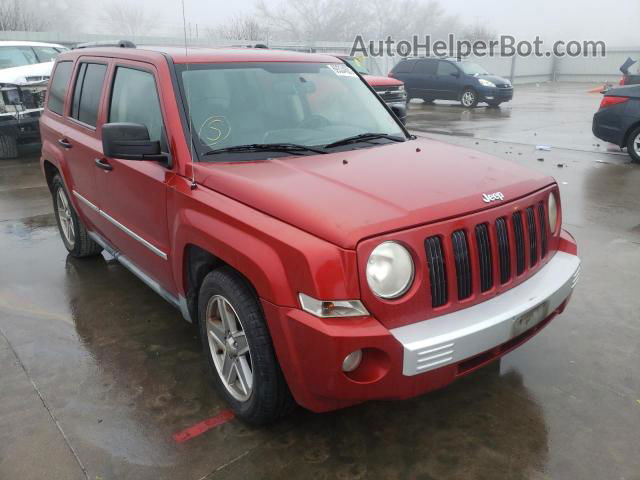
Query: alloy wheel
point(64, 216)
point(636, 145)
point(229, 348)
point(468, 98)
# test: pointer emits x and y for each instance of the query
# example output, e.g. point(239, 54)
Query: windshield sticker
point(341, 70)
point(214, 130)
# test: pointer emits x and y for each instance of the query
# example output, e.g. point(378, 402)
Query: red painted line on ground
point(199, 428)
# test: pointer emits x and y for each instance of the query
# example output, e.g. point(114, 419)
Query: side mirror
point(455, 74)
point(130, 141)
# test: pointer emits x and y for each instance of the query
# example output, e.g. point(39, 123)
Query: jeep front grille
point(484, 257)
point(437, 271)
point(470, 260)
point(518, 231)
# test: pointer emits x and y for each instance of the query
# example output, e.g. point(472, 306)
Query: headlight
point(553, 212)
point(390, 270)
point(401, 88)
point(486, 83)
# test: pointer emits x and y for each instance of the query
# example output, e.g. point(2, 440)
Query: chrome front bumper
point(454, 337)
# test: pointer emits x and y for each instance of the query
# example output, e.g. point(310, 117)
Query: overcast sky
point(615, 21)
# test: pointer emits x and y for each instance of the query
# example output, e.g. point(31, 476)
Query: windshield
point(358, 66)
point(18, 56)
point(306, 104)
point(471, 68)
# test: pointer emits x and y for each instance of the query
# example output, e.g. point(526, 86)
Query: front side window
point(58, 88)
point(308, 104)
point(16, 57)
point(134, 99)
point(446, 69)
point(87, 92)
point(471, 68)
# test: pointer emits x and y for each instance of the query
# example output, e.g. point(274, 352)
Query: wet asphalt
point(97, 373)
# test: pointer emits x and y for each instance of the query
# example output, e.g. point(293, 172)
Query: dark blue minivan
point(431, 79)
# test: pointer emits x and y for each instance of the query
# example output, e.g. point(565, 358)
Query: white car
point(25, 68)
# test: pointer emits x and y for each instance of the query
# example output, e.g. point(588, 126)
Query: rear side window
point(134, 99)
point(87, 92)
point(405, 66)
point(426, 67)
point(446, 68)
point(58, 88)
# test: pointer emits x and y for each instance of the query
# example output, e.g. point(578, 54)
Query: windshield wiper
point(363, 137)
point(267, 147)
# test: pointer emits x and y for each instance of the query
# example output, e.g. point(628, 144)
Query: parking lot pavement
point(97, 373)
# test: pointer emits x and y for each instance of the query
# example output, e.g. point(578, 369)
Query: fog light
point(352, 361)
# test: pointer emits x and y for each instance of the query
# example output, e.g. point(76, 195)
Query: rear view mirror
point(129, 141)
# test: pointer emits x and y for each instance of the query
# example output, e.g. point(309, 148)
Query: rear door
point(79, 139)
point(424, 73)
point(133, 193)
point(404, 71)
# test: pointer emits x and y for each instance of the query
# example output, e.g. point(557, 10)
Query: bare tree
point(18, 15)
point(339, 20)
point(123, 17)
point(239, 28)
point(315, 19)
point(478, 32)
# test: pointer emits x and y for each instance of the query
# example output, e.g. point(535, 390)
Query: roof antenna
point(186, 53)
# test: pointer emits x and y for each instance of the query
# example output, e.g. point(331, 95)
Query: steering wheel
point(315, 121)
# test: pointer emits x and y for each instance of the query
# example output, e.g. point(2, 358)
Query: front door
point(133, 193)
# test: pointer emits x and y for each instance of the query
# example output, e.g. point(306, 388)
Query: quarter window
point(58, 88)
point(87, 92)
point(135, 100)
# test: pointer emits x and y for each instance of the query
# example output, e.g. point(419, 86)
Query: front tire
point(494, 104)
point(239, 351)
point(469, 98)
point(633, 145)
point(74, 235)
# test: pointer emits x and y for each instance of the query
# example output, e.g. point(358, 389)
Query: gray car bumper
point(454, 337)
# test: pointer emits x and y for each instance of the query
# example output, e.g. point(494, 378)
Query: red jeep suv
point(326, 255)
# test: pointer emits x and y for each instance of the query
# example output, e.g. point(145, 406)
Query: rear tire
point(469, 98)
point(74, 235)
point(239, 351)
point(633, 145)
point(8, 146)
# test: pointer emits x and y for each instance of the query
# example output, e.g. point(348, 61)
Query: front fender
point(278, 259)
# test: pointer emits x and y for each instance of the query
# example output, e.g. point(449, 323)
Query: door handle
point(65, 143)
point(103, 164)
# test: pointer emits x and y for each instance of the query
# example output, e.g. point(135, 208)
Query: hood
point(378, 189)
point(19, 75)
point(376, 81)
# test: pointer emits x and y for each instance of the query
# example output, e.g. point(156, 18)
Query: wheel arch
point(628, 133)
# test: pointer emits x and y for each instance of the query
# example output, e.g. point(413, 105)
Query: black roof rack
point(108, 43)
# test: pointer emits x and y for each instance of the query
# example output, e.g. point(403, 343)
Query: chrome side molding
point(122, 227)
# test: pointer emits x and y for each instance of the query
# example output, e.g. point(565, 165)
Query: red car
point(391, 90)
point(326, 255)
